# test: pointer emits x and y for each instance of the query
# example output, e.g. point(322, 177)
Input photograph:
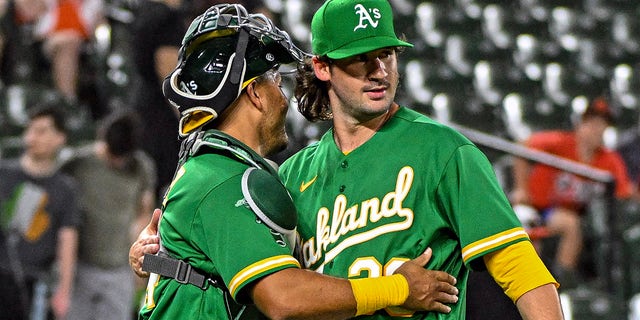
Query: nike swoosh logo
point(306, 185)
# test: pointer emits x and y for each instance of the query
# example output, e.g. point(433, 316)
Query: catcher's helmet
point(223, 50)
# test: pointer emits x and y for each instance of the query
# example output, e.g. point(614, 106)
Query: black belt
point(180, 271)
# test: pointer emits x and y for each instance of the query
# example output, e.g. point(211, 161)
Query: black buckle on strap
point(180, 271)
point(183, 272)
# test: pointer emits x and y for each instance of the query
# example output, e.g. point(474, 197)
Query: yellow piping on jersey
point(259, 267)
point(494, 241)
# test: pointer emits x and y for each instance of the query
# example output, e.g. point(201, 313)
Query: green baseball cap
point(345, 28)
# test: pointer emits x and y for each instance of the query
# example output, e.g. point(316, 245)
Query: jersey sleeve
point(241, 247)
point(476, 205)
point(624, 186)
point(548, 141)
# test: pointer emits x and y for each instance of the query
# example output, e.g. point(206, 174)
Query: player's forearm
point(541, 303)
point(304, 294)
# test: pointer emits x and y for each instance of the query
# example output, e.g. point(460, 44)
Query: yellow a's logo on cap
point(365, 17)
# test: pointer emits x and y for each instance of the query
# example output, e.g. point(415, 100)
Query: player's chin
point(277, 144)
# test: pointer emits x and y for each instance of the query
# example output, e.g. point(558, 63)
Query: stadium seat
point(514, 107)
point(527, 56)
point(540, 113)
point(563, 82)
point(624, 87)
point(430, 24)
point(493, 79)
point(624, 36)
point(564, 28)
point(429, 84)
point(498, 26)
point(461, 53)
point(591, 57)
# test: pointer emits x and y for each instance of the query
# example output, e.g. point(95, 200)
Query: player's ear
point(321, 69)
point(254, 94)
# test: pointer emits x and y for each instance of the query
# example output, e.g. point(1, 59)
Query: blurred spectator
point(59, 28)
point(156, 36)
point(561, 197)
point(63, 30)
point(39, 218)
point(17, 19)
point(117, 183)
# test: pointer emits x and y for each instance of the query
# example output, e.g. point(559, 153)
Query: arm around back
point(304, 294)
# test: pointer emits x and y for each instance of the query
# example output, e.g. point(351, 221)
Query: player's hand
point(429, 290)
point(148, 242)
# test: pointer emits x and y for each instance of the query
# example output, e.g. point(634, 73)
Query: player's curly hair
point(311, 93)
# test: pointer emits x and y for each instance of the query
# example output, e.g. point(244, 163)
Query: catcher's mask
point(223, 50)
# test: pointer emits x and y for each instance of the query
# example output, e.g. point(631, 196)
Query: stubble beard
point(274, 136)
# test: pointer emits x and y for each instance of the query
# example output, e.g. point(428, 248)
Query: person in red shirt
point(562, 197)
point(62, 27)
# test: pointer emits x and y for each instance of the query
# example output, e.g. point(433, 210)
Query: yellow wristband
point(372, 294)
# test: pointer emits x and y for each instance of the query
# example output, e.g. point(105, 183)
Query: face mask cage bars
point(257, 24)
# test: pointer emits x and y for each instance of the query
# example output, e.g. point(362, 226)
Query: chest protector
point(262, 189)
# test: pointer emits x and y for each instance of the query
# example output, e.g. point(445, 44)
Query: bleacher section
point(510, 67)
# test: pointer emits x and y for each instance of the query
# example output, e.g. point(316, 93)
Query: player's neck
point(349, 134)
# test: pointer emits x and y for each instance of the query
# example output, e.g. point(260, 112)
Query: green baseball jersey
point(414, 184)
point(207, 223)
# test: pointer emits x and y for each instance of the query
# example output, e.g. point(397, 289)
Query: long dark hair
point(311, 93)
